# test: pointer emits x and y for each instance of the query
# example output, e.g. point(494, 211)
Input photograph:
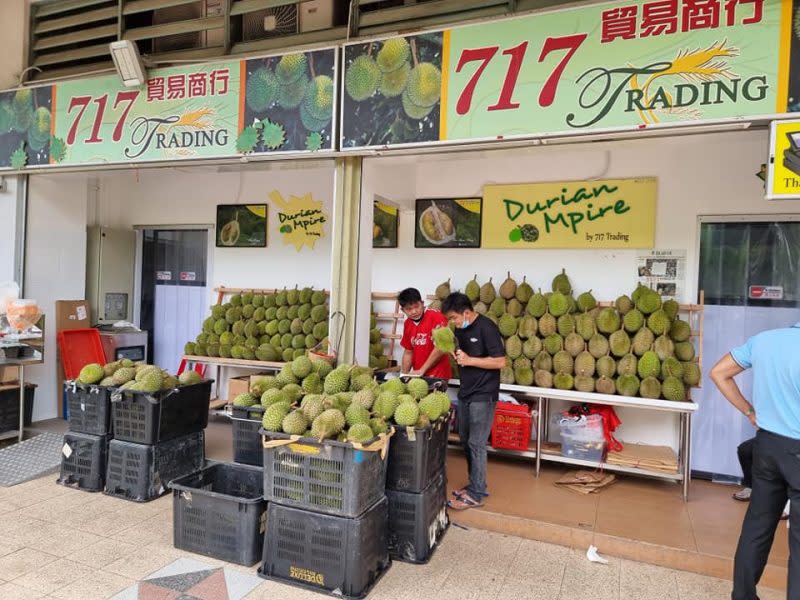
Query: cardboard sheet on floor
point(585, 482)
point(656, 458)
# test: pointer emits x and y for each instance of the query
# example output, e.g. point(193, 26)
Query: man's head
point(411, 304)
point(457, 307)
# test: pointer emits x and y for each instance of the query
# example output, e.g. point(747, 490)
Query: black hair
point(457, 303)
point(409, 296)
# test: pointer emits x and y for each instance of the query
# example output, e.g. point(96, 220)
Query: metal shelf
point(558, 458)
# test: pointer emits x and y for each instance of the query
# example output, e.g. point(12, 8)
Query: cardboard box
point(9, 374)
point(238, 385)
point(72, 314)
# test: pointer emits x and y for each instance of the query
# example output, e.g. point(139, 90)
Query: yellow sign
point(612, 213)
point(304, 449)
point(301, 220)
point(783, 180)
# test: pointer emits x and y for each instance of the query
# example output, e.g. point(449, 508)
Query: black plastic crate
point(245, 426)
point(147, 418)
point(220, 512)
point(417, 522)
point(89, 408)
point(345, 557)
point(416, 457)
point(83, 461)
point(328, 477)
point(141, 472)
point(9, 406)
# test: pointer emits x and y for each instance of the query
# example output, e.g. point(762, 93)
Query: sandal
point(461, 492)
point(464, 502)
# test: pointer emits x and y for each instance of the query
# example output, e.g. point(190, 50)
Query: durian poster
point(25, 127)
point(613, 213)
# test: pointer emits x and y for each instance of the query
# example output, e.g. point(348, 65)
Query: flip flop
point(460, 492)
point(463, 503)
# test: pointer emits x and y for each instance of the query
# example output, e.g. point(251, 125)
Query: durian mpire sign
point(611, 213)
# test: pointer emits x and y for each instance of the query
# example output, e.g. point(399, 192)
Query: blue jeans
point(475, 419)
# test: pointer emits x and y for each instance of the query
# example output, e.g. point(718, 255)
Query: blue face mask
point(464, 324)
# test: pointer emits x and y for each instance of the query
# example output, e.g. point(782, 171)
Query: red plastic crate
point(80, 347)
point(512, 426)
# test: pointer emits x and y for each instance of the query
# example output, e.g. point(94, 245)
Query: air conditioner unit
point(188, 12)
point(274, 22)
point(316, 15)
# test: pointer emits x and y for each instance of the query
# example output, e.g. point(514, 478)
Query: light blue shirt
point(774, 356)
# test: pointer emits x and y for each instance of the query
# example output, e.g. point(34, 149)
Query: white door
point(750, 273)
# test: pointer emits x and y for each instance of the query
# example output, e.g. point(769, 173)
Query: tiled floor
point(57, 542)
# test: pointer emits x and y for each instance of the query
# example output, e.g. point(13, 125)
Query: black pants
point(475, 419)
point(776, 478)
point(745, 452)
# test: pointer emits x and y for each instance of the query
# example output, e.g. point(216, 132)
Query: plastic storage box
point(245, 426)
point(512, 426)
point(417, 522)
point(83, 461)
point(89, 408)
point(322, 552)
point(151, 418)
point(328, 477)
point(141, 472)
point(9, 406)
point(583, 438)
point(416, 457)
point(219, 512)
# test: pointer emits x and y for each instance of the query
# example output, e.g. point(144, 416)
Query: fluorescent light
point(128, 62)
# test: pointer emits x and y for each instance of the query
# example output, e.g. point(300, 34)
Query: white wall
point(8, 230)
point(712, 174)
point(55, 267)
point(190, 196)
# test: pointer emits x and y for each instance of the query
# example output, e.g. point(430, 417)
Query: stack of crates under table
point(85, 449)
point(327, 517)
point(157, 437)
point(416, 488)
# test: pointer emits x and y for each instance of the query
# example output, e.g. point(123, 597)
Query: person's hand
point(463, 359)
point(752, 418)
point(416, 372)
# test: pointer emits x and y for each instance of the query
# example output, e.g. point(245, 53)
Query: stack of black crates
point(416, 488)
point(157, 437)
point(327, 516)
point(85, 449)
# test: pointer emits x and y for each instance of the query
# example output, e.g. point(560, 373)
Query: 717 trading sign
point(630, 64)
point(606, 66)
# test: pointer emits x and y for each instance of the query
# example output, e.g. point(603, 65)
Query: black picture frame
point(385, 226)
point(252, 227)
point(466, 230)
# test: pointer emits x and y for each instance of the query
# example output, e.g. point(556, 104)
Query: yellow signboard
point(612, 213)
point(301, 219)
point(783, 180)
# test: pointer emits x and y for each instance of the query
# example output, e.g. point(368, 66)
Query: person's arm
point(722, 374)
point(489, 362)
point(434, 358)
point(406, 361)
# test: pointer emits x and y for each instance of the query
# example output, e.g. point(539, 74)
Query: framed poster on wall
point(241, 226)
point(448, 223)
point(385, 219)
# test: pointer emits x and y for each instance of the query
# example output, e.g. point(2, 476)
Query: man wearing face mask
point(420, 357)
point(480, 355)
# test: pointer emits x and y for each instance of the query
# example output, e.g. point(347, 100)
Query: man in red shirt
point(420, 357)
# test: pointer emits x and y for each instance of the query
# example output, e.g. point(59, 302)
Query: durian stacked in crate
point(268, 327)
point(637, 346)
point(378, 359)
point(310, 398)
point(138, 377)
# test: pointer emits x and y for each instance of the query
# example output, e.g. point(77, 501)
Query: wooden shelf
point(234, 362)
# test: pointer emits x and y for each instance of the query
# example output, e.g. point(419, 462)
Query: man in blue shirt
point(774, 356)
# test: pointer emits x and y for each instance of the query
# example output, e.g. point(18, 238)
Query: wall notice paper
point(664, 271)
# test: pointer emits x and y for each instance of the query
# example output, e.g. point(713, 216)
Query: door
point(174, 294)
point(750, 273)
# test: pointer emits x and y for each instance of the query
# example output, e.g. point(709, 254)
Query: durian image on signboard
point(392, 91)
point(448, 223)
point(288, 103)
point(25, 127)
